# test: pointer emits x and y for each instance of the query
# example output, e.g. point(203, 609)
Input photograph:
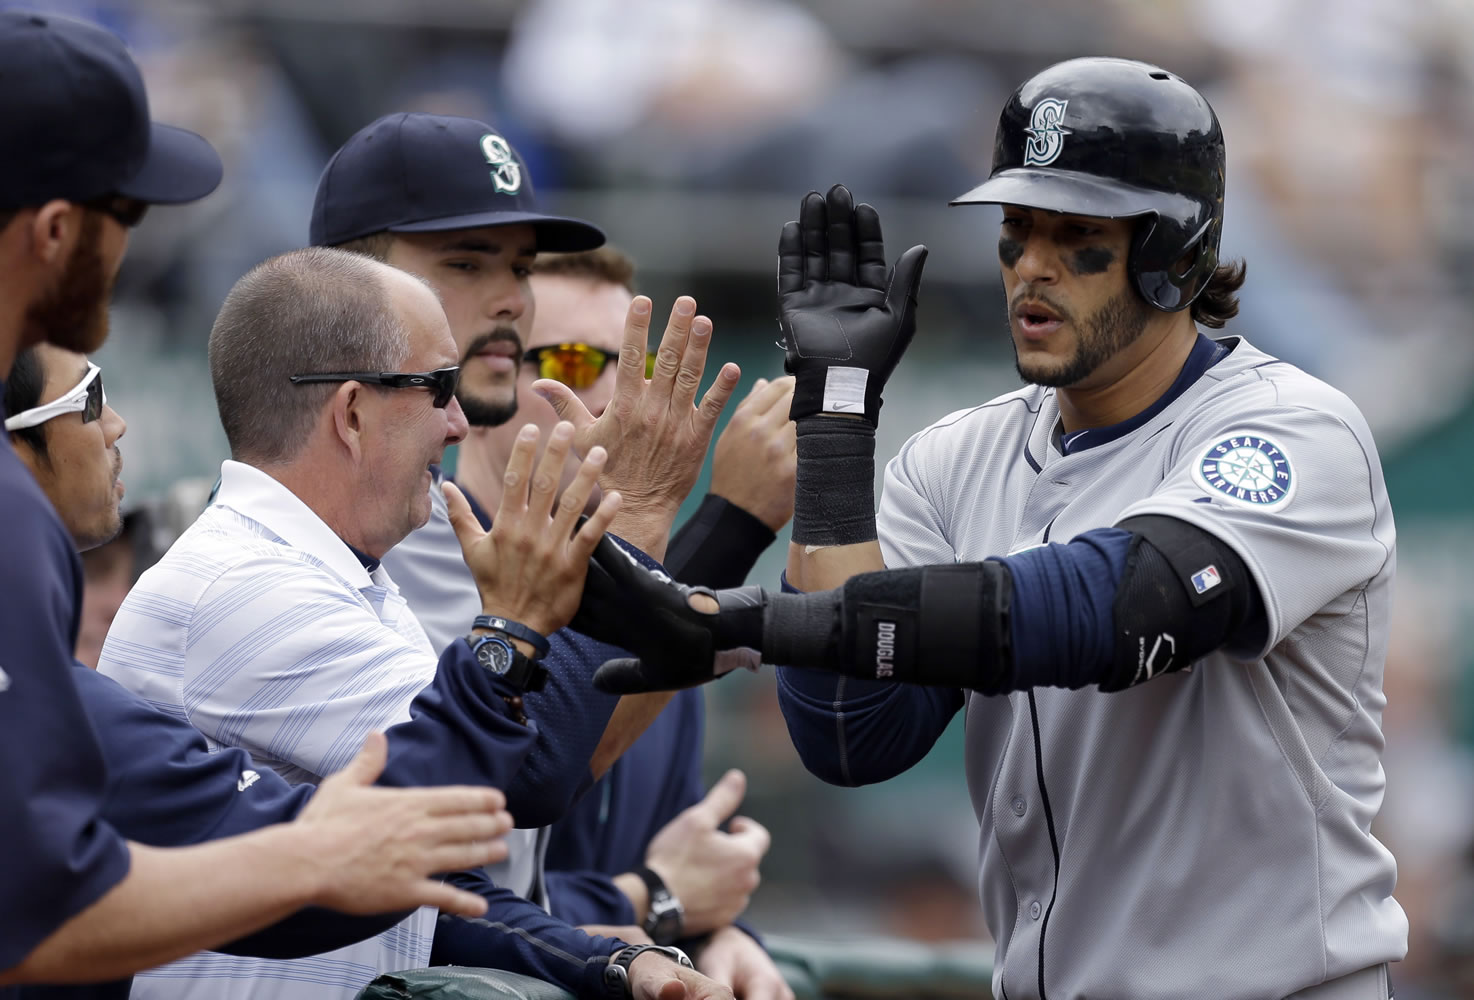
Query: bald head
point(309, 311)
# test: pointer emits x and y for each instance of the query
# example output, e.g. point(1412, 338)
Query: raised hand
point(753, 463)
point(713, 872)
point(530, 566)
point(373, 848)
point(846, 318)
point(654, 432)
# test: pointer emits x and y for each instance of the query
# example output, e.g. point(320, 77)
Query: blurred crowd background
point(689, 129)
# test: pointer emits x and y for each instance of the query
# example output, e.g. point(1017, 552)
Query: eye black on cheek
point(1009, 251)
point(1092, 260)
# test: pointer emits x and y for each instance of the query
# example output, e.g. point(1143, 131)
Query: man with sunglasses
point(271, 624)
point(78, 903)
point(650, 845)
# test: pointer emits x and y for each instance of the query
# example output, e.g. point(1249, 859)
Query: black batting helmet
point(1119, 139)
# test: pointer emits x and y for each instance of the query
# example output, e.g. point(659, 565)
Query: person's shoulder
point(27, 519)
point(974, 436)
point(1255, 383)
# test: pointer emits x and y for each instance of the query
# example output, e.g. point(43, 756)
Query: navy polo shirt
point(57, 856)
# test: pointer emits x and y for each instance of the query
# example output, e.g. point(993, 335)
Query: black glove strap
point(834, 496)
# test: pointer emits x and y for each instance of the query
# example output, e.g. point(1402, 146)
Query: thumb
point(563, 401)
point(468, 530)
point(724, 797)
point(366, 766)
point(906, 277)
point(622, 677)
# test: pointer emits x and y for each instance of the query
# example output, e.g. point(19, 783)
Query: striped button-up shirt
point(261, 628)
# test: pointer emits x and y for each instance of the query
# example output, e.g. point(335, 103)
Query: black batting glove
point(647, 613)
point(846, 318)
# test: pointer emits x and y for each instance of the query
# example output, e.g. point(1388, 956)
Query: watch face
point(494, 654)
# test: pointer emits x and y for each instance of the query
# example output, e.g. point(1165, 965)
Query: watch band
point(617, 984)
point(497, 655)
point(665, 917)
point(516, 630)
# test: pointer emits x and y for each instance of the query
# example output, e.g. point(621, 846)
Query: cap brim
point(555, 233)
point(1075, 193)
point(181, 166)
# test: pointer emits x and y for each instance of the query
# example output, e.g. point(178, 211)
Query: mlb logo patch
point(1206, 579)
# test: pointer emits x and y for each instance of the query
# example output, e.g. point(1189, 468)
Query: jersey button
point(1019, 807)
point(1035, 909)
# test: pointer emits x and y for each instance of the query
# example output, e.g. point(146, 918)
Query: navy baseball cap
point(419, 173)
point(74, 121)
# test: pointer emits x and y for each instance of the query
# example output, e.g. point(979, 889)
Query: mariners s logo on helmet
point(506, 175)
point(1046, 134)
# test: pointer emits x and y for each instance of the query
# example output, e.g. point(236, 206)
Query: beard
point(73, 315)
point(482, 412)
point(1102, 335)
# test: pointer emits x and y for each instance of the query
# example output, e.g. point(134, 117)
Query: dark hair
point(6, 214)
point(605, 264)
point(1219, 302)
point(22, 391)
point(307, 311)
point(375, 245)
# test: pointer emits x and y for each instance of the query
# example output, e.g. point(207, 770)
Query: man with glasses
point(78, 902)
point(271, 624)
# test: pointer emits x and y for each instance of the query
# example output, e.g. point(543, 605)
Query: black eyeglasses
point(442, 380)
point(128, 211)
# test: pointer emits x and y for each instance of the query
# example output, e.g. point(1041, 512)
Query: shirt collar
point(251, 493)
point(1205, 354)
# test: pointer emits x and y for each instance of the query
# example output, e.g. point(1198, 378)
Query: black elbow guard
point(936, 625)
point(1184, 594)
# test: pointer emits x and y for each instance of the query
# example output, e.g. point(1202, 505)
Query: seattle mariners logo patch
point(506, 175)
point(1046, 134)
point(1247, 468)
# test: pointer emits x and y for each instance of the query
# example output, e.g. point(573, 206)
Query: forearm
point(644, 525)
point(175, 902)
point(519, 936)
point(591, 897)
point(826, 567)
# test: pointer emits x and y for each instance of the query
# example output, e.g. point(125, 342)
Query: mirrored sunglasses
point(576, 365)
point(442, 381)
point(86, 397)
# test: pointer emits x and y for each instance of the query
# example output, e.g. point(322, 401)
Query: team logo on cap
point(1248, 469)
point(506, 175)
point(1046, 134)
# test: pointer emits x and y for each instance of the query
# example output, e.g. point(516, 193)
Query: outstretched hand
point(846, 317)
point(377, 847)
point(530, 566)
point(654, 431)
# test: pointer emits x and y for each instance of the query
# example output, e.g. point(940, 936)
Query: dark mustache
point(502, 334)
point(1025, 294)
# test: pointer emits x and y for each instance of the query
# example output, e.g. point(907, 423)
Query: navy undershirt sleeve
point(718, 546)
point(57, 855)
point(519, 936)
point(1062, 618)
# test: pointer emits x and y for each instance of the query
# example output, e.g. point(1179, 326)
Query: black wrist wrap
point(938, 625)
point(834, 496)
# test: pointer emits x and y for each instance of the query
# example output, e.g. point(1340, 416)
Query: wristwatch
point(665, 918)
point(617, 973)
point(497, 654)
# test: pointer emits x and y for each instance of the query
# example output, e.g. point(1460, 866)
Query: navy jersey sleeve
point(856, 732)
point(571, 715)
point(584, 896)
point(519, 936)
point(718, 545)
point(59, 856)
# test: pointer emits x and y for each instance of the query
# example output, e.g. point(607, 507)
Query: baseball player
point(1157, 579)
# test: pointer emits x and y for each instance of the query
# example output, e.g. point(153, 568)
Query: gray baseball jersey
point(1206, 833)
